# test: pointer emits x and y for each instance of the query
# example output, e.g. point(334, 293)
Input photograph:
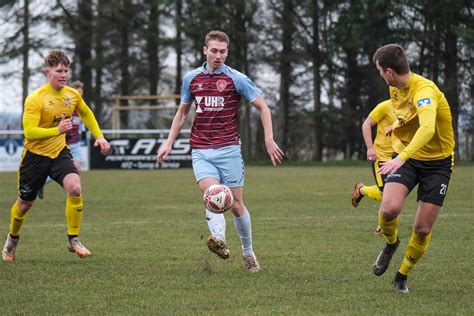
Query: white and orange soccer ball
point(218, 198)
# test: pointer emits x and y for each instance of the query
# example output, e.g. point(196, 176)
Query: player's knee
point(24, 206)
point(390, 210)
point(422, 230)
point(238, 208)
point(74, 189)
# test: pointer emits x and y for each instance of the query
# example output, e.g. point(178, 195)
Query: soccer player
point(73, 137)
point(423, 141)
point(46, 120)
point(216, 90)
point(378, 152)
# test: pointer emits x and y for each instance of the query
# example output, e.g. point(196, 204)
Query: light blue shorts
point(225, 164)
point(76, 151)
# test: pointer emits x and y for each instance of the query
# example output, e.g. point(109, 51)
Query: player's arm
point(367, 134)
point(424, 133)
point(427, 120)
point(31, 118)
point(178, 122)
point(275, 153)
point(90, 122)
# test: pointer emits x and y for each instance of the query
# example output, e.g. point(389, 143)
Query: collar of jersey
point(407, 86)
point(218, 70)
point(50, 89)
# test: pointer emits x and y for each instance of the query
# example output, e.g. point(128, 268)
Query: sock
point(216, 224)
point(243, 225)
point(415, 250)
point(16, 219)
point(389, 229)
point(73, 214)
point(372, 192)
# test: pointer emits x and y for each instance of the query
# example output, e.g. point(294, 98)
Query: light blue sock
point(216, 224)
point(243, 225)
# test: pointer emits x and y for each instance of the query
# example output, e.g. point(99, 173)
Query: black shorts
point(432, 177)
point(35, 169)
point(379, 178)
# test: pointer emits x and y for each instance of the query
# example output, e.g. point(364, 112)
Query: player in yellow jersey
point(423, 144)
point(46, 119)
point(378, 152)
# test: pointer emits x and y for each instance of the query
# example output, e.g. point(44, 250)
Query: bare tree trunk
point(285, 71)
point(124, 60)
point(317, 119)
point(451, 81)
point(179, 47)
point(84, 40)
point(152, 41)
point(25, 50)
point(99, 60)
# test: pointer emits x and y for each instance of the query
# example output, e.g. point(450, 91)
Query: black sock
point(399, 276)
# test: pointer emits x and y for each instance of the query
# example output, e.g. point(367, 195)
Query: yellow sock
point(415, 250)
point(16, 219)
point(73, 214)
point(389, 229)
point(372, 192)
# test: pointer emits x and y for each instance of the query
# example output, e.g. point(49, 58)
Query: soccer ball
point(218, 198)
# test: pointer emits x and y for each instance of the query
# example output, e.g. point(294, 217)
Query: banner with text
point(140, 153)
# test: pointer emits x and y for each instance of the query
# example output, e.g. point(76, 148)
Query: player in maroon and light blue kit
point(216, 89)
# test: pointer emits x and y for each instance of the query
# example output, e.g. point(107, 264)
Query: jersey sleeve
point(246, 88)
point(426, 104)
point(186, 97)
point(88, 119)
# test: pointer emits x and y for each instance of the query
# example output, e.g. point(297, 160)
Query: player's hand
point(103, 144)
point(163, 153)
point(391, 166)
point(275, 153)
point(389, 131)
point(65, 125)
point(371, 154)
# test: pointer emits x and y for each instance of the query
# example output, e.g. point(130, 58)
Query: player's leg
point(76, 155)
point(32, 173)
point(434, 180)
point(373, 192)
point(206, 175)
point(232, 172)
point(243, 225)
point(65, 173)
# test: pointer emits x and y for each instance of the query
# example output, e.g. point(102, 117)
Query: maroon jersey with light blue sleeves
point(216, 97)
point(74, 135)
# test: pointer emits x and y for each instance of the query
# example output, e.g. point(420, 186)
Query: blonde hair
point(217, 36)
point(77, 85)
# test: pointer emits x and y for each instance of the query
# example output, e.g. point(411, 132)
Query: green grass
point(147, 231)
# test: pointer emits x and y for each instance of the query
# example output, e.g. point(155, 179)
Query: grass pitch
point(147, 232)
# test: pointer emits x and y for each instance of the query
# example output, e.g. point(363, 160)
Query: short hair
point(217, 36)
point(392, 56)
point(77, 85)
point(56, 57)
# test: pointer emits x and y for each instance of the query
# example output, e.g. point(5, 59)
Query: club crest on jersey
point(67, 102)
point(423, 102)
point(221, 84)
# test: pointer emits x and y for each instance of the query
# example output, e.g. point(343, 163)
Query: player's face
point(57, 76)
point(216, 53)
